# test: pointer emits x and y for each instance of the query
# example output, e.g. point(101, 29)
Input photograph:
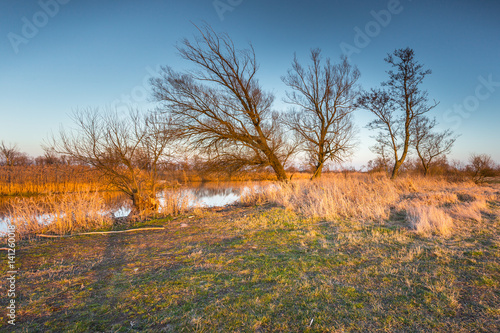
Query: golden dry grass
point(69, 213)
point(430, 204)
point(428, 219)
point(59, 214)
point(174, 203)
point(33, 179)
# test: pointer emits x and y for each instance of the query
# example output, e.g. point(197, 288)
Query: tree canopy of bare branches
point(220, 108)
point(399, 105)
point(480, 166)
point(430, 144)
point(326, 96)
point(125, 149)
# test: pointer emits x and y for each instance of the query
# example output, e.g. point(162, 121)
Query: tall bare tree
point(429, 144)
point(325, 95)
point(220, 108)
point(125, 149)
point(397, 107)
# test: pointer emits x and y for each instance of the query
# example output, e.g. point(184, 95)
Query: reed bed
point(360, 196)
point(84, 211)
point(55, 214)
point(33, 179)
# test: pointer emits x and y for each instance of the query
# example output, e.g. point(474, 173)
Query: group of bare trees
point(480, 166)
point(219, 110)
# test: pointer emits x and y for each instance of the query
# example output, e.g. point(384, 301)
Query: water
point(218, 194)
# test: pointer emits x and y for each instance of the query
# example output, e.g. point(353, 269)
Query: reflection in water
point(200, 195)
point(216, 194)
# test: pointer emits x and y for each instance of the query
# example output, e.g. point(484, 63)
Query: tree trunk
point(395, 170)
point(278, 168)
point(317, 172)
point(143, 202)
point(426, 170)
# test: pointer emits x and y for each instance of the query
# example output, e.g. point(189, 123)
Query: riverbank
point(264, 268)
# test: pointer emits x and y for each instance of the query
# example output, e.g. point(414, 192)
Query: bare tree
point(400, 105)
point(125, 149)
point(430, 145)
point(480, 166)
point(220, 108)
point(10, 155)
point(326, 96)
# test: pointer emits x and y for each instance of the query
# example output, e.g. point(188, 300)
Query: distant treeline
point(25, 175)
point(57, 174)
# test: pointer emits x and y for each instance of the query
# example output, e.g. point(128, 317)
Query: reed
point(59, 214)
point(34, 179)
point(174, 203)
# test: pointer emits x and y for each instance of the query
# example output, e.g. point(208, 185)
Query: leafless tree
point(430, 145)
point(480, 166)
point(125, 149)
point(10, 155)
point(220, 108)
point(397, 107)
point(325, 95)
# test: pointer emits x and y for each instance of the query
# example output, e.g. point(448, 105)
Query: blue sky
point(60, 55)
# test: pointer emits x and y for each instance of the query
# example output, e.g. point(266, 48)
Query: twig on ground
point(99, 232)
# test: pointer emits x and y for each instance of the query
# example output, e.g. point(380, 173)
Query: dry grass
point(360, 196)
point(431, 204)
point(174, 203)
point(33, 179)
point(428, 219)
point(86, 211)
point(59, 214)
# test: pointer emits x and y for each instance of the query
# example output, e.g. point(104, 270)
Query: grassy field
point(273, 267)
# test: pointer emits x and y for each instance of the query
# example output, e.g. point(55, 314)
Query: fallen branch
point(99, 232)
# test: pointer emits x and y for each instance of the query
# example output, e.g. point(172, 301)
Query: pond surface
point(216, 194)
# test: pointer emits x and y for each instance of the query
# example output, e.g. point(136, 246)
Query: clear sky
point(58, 55)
